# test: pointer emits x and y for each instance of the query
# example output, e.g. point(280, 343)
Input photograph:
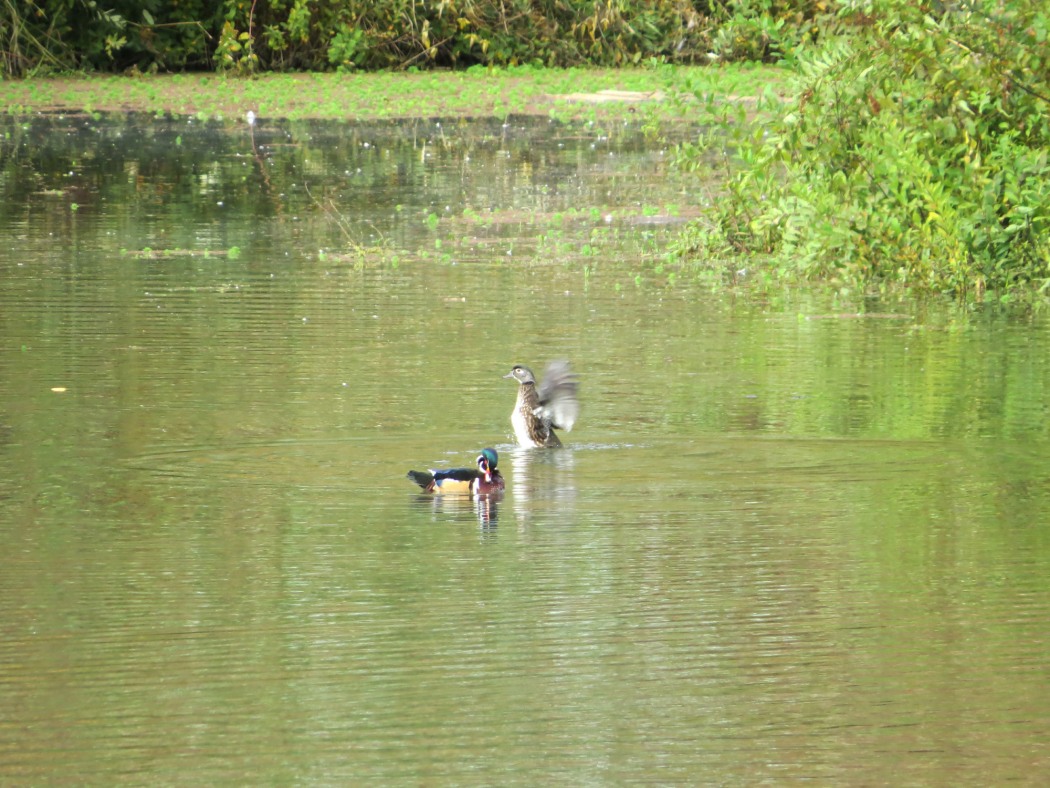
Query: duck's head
point(522, 374)
point(487, 462)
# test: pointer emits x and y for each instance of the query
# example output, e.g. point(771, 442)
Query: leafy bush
point(39, 36)
point(302, 34)
point(245, 36)
point(763, 30)
point(915, 152)
point(347, 48)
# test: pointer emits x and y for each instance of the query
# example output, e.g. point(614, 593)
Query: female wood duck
point(483, 480)
point(541, 408)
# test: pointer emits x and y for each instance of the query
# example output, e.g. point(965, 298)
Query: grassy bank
point(477, 92)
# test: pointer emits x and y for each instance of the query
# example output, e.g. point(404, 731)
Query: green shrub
point(244, 36)
point(762, 30)
point(915, 152)
point(40, 36)
point(347, 48)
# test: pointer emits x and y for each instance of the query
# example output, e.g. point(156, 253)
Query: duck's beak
point(509, 375)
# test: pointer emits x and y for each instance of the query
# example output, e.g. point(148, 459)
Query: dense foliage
point(246, 35)
point(915, 150)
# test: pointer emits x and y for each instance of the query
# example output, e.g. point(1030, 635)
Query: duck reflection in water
point(485, 508)
point(542, 476)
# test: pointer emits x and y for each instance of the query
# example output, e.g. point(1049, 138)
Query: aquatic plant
point(474, 93)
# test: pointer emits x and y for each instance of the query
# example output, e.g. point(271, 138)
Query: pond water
point(784, 542)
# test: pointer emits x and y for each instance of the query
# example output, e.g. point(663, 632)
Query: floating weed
point(149, 253)
point(363, 96)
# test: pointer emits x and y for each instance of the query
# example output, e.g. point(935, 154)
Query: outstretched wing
point(559, 405)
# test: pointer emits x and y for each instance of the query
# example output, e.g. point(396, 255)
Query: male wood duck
point(541, 408)
point(483, 480)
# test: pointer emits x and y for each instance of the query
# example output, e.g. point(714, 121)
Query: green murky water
point(782, 544)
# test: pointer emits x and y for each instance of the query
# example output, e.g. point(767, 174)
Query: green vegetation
point(911, 149)
point(914, 152)
point(246, 36)
point(474, 92)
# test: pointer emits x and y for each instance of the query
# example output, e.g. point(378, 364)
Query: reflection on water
point(543, 481)
point(774, 549)
point(463, 508)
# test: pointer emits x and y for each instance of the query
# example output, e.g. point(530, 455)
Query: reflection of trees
point(483, 178)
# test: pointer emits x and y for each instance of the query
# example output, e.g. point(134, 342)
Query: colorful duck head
point(487, 462)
